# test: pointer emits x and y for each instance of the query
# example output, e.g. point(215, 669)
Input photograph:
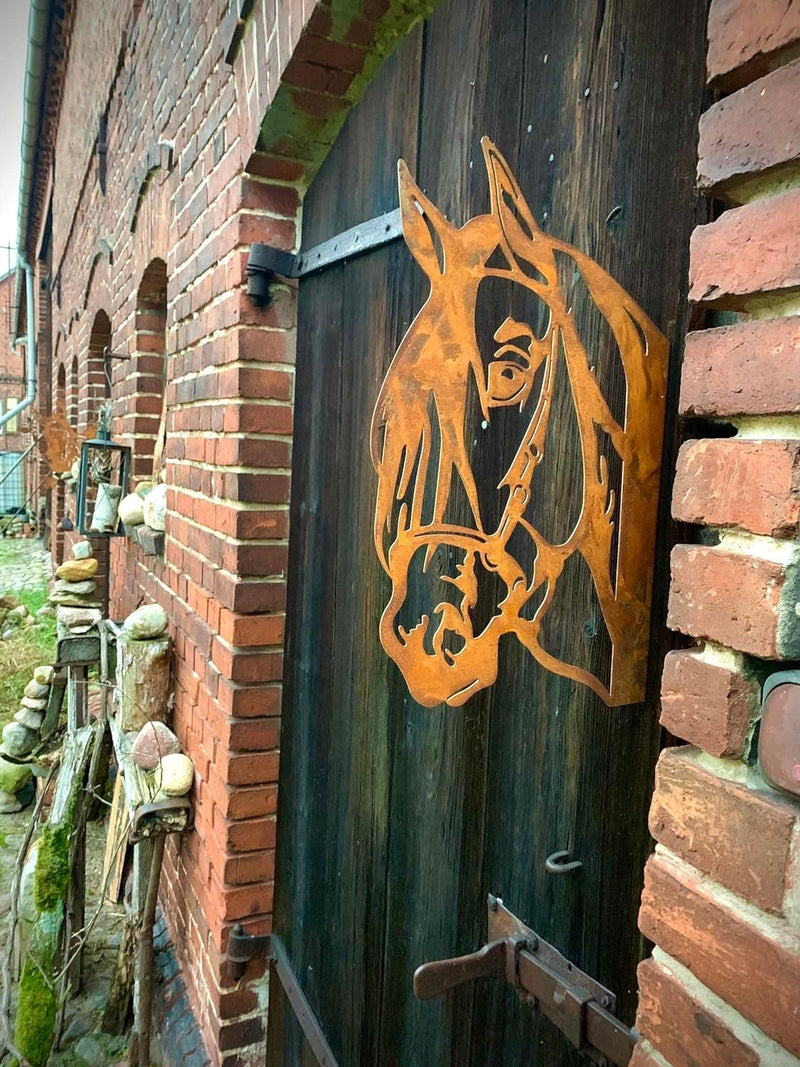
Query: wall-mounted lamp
point(102, 483)
point(779, 736)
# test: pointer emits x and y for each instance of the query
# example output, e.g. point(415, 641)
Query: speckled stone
point(152, 743)
point(155, 508)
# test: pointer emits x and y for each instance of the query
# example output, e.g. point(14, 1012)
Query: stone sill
point(150, 541)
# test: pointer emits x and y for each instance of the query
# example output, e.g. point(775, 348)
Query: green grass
point(30, 646)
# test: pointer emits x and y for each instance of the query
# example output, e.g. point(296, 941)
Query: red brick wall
point(197, 168)
point(720, 899)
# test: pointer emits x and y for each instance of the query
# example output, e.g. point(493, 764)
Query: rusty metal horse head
point(419, 448)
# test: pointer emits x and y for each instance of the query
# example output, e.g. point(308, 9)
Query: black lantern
point(102, 483)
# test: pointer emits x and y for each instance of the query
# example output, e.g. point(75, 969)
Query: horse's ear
point(422, 221)
point(525, 239)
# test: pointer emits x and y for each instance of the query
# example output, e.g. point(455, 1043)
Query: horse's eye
point(507, 383)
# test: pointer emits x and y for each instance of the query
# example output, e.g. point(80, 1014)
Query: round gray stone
point(36, 690)
point(85, 588)
point(32, 719)
point(8, 803)
point(44, 674)
point(34, 705)
point(18, 740)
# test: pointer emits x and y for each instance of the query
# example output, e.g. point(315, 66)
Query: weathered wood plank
point(396, 820)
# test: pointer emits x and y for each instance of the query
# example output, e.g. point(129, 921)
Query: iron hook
point(561, 863)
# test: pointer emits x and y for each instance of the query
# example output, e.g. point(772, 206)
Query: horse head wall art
point(442, 382)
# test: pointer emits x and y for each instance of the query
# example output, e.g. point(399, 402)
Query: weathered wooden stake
point(145, 977)
point(143, 680)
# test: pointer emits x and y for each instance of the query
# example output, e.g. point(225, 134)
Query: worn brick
point(745, 39)
point(749, 249)
point(711, 823)
point(756, 129)
point(706, 704)
point(749, 484)
point(739, 600)
point(754, 967)
point(752, 368)
point(684, 1029)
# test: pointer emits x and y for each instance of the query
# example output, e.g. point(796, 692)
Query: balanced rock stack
point(75, 586)
point(20, 737)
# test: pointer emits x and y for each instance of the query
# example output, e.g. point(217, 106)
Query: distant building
point(15, 435)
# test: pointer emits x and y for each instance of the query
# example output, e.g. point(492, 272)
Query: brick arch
point(139, 385)
point(103, 252)
point(159, 157)
point(96, 388)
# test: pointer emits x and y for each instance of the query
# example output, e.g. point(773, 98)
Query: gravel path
point(23, 564)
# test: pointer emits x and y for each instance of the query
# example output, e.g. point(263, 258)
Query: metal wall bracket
point(244, 947)
point(266, 261)
point(580, 1006)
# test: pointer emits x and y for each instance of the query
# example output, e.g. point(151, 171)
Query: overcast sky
point(13, 46)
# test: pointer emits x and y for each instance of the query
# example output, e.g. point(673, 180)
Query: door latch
point(582, 1008)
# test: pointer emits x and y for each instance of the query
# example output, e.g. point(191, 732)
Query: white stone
point(174, 775)
point(82, 549)
point(43, 675)
point(131, 510)
point(146, 622)
point(155, 508)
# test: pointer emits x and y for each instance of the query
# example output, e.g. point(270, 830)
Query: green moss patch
point(36, 1010)
point(52, 867)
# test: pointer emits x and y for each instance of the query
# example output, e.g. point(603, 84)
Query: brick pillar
point(720, 898)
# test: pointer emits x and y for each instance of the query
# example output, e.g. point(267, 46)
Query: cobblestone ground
point(23, 564)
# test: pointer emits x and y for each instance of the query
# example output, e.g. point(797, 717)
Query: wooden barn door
point(396, 820)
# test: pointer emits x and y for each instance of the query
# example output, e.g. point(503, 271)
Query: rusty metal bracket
point(578, 1004)
point(244, 947)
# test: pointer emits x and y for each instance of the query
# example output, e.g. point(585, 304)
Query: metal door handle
point(561, 863)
